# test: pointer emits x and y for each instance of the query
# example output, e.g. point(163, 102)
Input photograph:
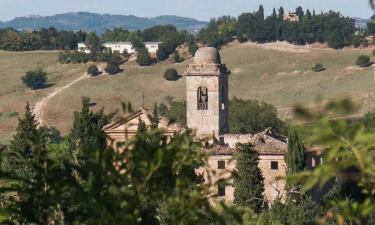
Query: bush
point(113, 64)
point(171, 74)
point(176, 57)
point(143, 58)
point(363, 61)
point(112, 68)
point(193, 48)
point(35, 79)
point(93, 70)
point(318, 67)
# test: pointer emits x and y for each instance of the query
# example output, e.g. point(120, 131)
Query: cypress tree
point(250, 182)
point(142, 129)
point(155, 117)
point(281, 14)
point(296, 156)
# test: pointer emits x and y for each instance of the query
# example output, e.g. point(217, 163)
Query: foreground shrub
point(318, 67)
point(363, 61)
point(93, 70)
point(35, 79)
point(171, 74)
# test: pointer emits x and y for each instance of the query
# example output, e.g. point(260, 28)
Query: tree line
point(43, 39)
point(331, 27)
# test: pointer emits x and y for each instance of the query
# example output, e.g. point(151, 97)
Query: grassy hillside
point(13, 94)
point(276, 73)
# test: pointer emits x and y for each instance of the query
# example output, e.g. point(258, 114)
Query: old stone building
point(207, 114)
point(291, 17)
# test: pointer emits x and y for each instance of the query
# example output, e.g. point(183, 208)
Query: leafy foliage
point(175, 111)
point(348, 155)
point(249, 116)
point(35, 79)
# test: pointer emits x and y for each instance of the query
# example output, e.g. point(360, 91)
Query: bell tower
point(207, 93)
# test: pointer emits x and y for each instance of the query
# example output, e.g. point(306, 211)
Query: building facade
point(122, 47)
point(291, 17)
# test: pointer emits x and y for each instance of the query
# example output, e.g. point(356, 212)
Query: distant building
point(121, 47)
point(291, 16)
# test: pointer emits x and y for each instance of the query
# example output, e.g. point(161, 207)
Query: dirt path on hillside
point(40, 105)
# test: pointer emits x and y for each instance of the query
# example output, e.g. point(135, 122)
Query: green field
point(279, 76)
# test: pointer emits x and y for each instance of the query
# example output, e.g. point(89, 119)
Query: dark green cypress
point(296, 156)
point(249, 181)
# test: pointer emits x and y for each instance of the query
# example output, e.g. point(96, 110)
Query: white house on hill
point(121, 47)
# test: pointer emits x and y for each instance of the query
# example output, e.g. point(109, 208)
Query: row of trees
point(43, 39)
point(331, 28)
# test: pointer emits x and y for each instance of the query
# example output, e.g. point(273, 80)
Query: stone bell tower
point(207, 93)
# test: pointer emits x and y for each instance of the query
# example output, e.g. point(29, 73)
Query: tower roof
point(207, 55)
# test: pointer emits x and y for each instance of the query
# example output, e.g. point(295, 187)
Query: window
point(221, 189)
point(274, 165)
point(221, 164)
point(202, 98)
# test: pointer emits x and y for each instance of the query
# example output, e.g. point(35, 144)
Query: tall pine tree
point(250, 182)
point(26, 130)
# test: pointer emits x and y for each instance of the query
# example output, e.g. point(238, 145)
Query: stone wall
point(273, 186)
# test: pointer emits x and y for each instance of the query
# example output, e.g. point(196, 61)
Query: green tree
point(93, 70)
point(295, 158)
point(155, 118)
point(113, 64)
point(249, 181)
point(35, 79)
point(171, 74)
point(249, 116)
point(193, 48)
point(87, 132)
point(143, 58)
point(363, 61)
point(94, 44)
point(27, 128)
point(176, 57)
point(142, 128)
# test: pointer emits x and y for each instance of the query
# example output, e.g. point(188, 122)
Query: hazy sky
point(199, 9)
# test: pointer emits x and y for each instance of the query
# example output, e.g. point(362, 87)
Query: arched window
point(202, 98)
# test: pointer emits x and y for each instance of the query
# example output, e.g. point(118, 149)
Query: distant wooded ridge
point(100, 22)
point(299, 27)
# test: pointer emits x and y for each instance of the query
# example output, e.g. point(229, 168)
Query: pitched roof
point(266, 143)
point(143, 111)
